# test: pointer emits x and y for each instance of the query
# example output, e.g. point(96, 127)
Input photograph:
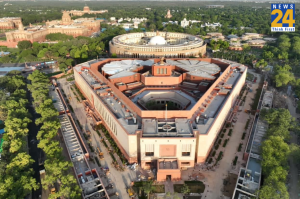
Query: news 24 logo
point(282, 17)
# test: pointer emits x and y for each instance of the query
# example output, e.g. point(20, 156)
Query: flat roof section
point(178, 127)
point(56, 100)
point(197, 68)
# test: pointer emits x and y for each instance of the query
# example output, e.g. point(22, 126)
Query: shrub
point(247, 124)
point(225, 142)
point(224, 130)
point(216, 147)
point(112, 156)
point(213, 154)
point(85, 136)
point(244, 135)
point(240, 147)
point(71, 108)
point(220, 140)
point(230, 132)
point(91, 147)
point(235, 160)
point(228, 125)
point(97, 161)
point(222, 135)
point(220, 156)
point(210, 160)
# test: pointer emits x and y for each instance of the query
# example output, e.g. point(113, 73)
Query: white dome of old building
point(157, 40)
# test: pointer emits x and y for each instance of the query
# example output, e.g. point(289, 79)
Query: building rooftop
point(187, 99)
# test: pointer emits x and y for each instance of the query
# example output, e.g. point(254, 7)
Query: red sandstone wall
point(9, 44)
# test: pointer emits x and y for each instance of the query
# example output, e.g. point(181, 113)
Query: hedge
point(213, 154)
point(220, 140)
point(230, 132)
point(225, 142)
point(216, 147)
point(220, 156)
point(98, 163)
point(240, 147)
point(247, 124)
point(235, 160)
point(244, 135)
point(210, 160)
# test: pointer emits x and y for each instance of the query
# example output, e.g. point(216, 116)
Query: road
point(17, 64)
point(34, 151)
point(293, 191)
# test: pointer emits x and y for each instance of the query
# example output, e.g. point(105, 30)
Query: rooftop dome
point(157, 40)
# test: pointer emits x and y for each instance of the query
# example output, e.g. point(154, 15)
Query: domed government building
point(157, 44)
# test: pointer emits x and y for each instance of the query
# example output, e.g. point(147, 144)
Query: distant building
point(170, 22)
point(184, 23)
point(151, 45)
point(86, 10)
point(211, 25)
point(113, 18)
point(249, 36)
point(215, 6)
point(10, 22)
point(168, 16)
point(75, 28)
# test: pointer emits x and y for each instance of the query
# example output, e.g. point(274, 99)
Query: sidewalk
point(120, 180)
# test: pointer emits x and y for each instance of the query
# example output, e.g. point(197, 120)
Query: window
point(161, 71)
point(185, 164)
point(149, 153)
point(166, 71)
point(186, 153)
point(186, 150)
point(158, 71)
point(149, 150)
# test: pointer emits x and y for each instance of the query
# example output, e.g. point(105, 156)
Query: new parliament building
point(162, 112)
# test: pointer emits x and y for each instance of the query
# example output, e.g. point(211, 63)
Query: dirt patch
point(229, 185)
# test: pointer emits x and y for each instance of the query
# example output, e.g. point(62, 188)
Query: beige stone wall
point(147, 52)
point(161, 142)
point(126, 142)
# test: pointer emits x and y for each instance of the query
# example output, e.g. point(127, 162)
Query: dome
point(157, 40)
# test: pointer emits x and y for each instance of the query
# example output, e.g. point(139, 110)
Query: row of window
point(162, 71)
point(185, 154)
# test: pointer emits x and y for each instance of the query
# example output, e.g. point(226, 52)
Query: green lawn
point(3, 38)
point(195, 186)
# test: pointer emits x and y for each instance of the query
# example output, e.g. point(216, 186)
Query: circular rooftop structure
point(157, 44)
point(157, 40)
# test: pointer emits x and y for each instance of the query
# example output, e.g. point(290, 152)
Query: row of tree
point(16, 179)
point(275, 153)
point(57, 169)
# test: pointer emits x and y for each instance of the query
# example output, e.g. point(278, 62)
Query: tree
point(268, 55)
point(148, 188)
point(185, 189)
point(284, 43)
point(275, 190)
point(274, 152)
point(296, 45)
point(114, 55)
point(23, 45)
point(261, 64)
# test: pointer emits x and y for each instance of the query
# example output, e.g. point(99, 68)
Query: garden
point(194, 186)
